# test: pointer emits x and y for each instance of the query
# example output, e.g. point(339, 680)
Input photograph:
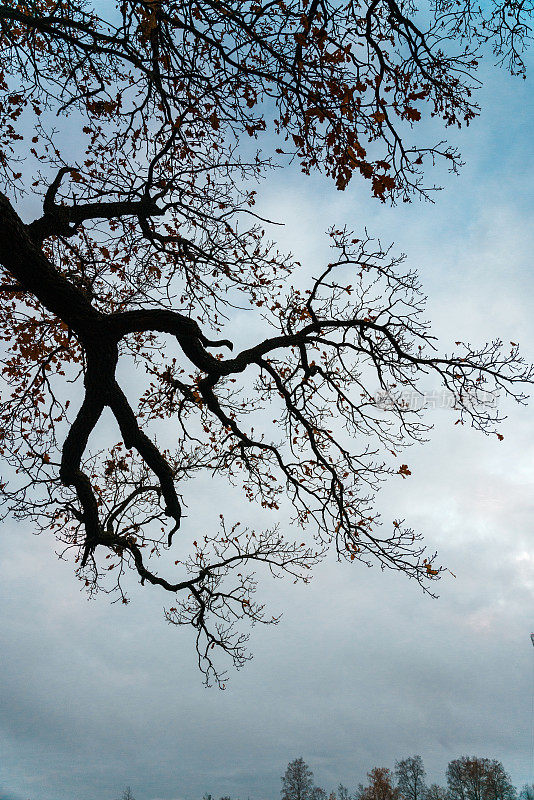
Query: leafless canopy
point(137, 134)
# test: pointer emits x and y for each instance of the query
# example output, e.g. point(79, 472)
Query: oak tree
point(129, 161)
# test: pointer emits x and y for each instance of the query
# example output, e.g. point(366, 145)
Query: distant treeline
point(468, 778)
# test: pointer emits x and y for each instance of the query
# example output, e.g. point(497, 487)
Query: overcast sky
point(362, 669)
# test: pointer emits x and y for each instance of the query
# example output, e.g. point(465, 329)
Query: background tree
point(342, 792)
point(498, 783)
point(410, 774)
point(527, 792)
point(128, 236)
point(297, 781)
point(436, 792)
point(380, 786)
point(472, 778)
point(317, 793)
point(127, 794)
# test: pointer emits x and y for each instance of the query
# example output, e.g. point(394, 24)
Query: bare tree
point(436, 792)
point(473, 778)
point(146, 240)
point(297, 781)
point(411, 776)
point(498, 783)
